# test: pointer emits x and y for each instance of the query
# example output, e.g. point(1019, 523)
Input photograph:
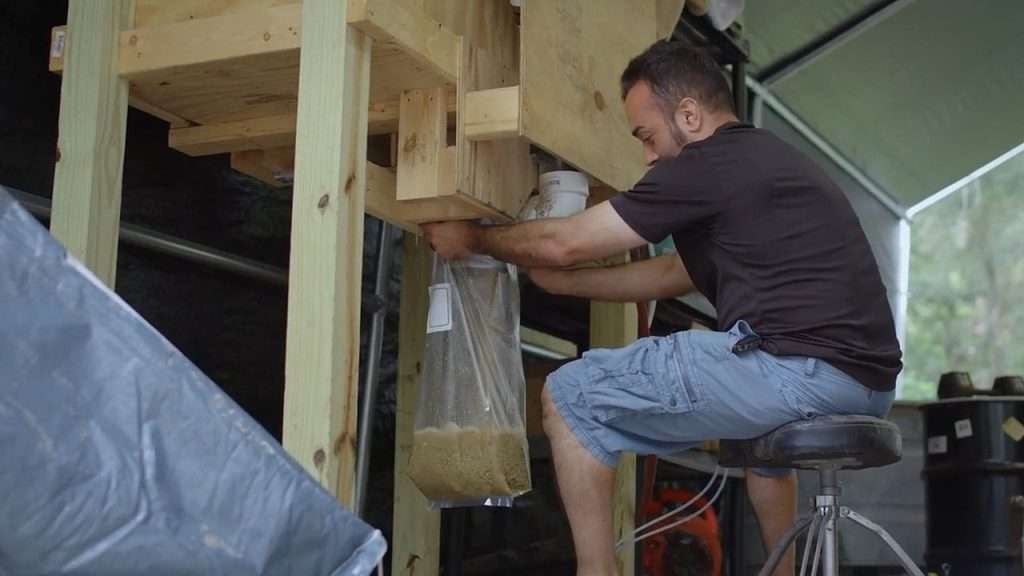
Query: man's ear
point(689, 115)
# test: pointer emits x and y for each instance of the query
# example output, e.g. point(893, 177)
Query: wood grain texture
point(492, 114)
point(417, 529)
point(157, 12)
point(613, 325)
point(273, 131)
point(422, 134)
point(573, 53)
point(497, 173)
point(412, 31)
point(225, 60)
point(325, 270)
point(91, 134)
point(276, 167)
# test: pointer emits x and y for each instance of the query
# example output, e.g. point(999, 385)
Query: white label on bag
point(963, 428)
point(439, 317)
point(57, 45)
point(937, 445)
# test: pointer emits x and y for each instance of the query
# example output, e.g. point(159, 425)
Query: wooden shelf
point(225, 75)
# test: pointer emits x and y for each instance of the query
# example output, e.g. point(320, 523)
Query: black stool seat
point(852, 442)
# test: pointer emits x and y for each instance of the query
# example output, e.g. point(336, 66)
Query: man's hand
point(453, 240)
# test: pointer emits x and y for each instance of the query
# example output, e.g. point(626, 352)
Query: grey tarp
point(118, 456)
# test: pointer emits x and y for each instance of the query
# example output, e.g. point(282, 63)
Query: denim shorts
point(663, 395)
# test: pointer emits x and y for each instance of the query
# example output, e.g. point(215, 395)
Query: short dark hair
point(675, 70)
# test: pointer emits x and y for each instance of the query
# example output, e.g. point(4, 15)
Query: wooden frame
point(291, 89)
point(90, 144)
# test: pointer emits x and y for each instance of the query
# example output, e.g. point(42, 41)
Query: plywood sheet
point(573, 52)
point(230, 61)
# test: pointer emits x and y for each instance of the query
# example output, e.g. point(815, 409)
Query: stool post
point(827, 481)
point(827, 504)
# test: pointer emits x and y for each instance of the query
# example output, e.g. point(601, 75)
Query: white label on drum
point(937, 445)
point(439, 316)
point(1013, 428)
point(963, 428)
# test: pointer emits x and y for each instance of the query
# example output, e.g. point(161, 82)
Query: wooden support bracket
point(414, 32)
point(492, 114)
point(276, 167)
point(422, 135)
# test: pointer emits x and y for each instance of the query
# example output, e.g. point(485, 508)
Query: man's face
point(661, 136)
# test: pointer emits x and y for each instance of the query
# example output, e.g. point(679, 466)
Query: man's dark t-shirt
point(768, 238)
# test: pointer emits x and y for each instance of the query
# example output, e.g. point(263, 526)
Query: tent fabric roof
point(920, 97)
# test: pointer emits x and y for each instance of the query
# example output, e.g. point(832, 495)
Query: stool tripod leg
point(783, 545)
point(812, 534)
point(882, 533)
point(831, 557)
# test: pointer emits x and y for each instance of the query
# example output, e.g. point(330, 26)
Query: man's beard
point(677, 134)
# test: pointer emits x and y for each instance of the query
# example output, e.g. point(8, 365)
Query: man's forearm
point(654, 279)
point(532, 244)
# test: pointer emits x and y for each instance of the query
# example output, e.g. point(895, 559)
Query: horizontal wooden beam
point(492, 114)
point(277, 166)
point(274, 166)
point(271, 131)
point(256, 32)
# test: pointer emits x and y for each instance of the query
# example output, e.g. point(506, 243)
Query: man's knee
point(550, 416)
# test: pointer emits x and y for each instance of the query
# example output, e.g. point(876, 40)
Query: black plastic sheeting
point(118, 456)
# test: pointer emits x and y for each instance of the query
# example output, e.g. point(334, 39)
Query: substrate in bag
point(454, 463)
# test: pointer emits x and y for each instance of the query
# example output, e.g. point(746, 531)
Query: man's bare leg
point(586, 487)
point(774, 502)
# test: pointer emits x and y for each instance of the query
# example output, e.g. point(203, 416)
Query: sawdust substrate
point(458, 464)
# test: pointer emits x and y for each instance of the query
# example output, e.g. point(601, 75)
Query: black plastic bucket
point(974, 478)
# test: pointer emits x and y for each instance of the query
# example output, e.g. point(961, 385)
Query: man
point(766, 236)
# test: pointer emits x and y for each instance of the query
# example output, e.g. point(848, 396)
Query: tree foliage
point(966, 301)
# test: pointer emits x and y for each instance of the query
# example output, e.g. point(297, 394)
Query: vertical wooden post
point(613, 325)
point(325, 271)
point(416, 529)
point(91, 132)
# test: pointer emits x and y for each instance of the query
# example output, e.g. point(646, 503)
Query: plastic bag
point(469, 442)
point(120, 457)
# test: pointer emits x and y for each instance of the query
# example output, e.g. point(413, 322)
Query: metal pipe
point(845, 32)
point(172, 246)
point(902, 291)
point(373, 355)
point(539, 352)
point(757, 111)
point(827, 149)
point(783, 544)
point(908, 563)
point(977, 173)
point(739, 90)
